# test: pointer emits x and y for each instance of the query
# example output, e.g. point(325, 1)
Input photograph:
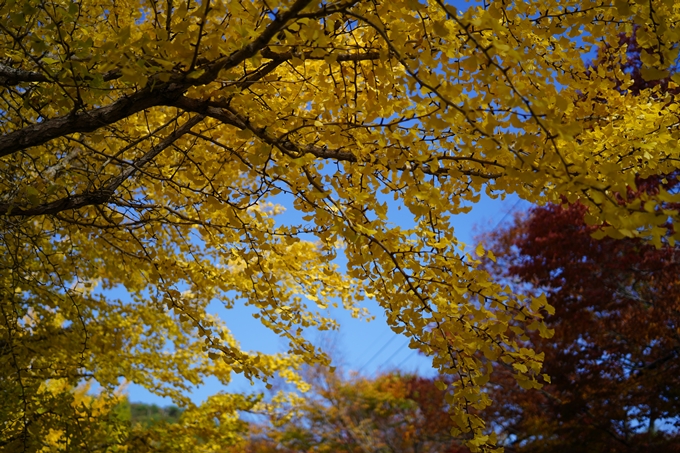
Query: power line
point(390, 357)
point(407, 358)
point(512, 209)
point(378, 353)
point(507, 213)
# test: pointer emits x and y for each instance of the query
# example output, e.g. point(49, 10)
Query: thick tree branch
point(154, 94)
point(255, 46)
point(11, 76)
point(88, 121)
point(104, 193)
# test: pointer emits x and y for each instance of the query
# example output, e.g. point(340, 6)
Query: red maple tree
point(615, 357)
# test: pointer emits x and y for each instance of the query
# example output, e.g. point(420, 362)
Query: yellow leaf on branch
point(147, 146)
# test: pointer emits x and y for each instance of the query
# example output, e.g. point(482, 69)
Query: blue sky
point(359, 345)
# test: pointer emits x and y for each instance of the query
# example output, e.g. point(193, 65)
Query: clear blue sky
point(368, 347)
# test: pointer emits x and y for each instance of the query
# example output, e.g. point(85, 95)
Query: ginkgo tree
point(146, 145)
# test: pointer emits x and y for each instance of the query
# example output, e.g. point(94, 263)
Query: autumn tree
point(149, 414)
point(147, 147)
point(614, 360)
point(392, 412)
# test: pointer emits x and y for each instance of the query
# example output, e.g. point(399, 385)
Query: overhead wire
point(378, 353)
point(390, 357)
point(512, 209)
point(409, 356)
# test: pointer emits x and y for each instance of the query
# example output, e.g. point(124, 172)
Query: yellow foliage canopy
point(145, 144)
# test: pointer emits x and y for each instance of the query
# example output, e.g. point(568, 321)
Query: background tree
point(614, 359)
point(145, 145)
point(146, 414)
point(392, 412)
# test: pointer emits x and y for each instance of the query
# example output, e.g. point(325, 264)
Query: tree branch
point(354, 56)
point(11, 76)
point(88, 121)
point(104, 193)
point(228, 116)
point(255, 46)
point(152, 95)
